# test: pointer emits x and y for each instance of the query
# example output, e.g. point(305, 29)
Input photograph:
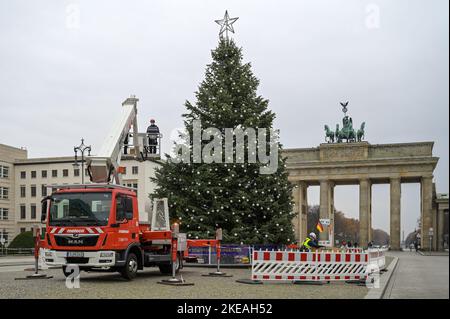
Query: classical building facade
point(28, 180)
point(8, 155)
point(364, 164)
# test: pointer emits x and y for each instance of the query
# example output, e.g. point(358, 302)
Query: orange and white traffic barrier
point(309, 266)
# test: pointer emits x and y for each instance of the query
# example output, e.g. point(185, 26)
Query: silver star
point(226, 24)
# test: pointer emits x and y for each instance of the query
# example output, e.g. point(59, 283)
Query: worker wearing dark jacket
point(310, 242)
point(152, 133)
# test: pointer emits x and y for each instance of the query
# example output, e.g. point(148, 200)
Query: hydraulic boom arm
point(103, 166)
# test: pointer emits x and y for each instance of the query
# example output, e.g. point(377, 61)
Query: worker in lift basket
point(152, 133)
point(310, 242)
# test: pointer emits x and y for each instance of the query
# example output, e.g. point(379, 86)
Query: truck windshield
point(80, 209)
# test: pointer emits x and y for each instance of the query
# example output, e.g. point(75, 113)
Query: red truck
point(96, 226)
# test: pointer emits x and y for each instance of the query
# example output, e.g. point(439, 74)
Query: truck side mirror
point(44, 208)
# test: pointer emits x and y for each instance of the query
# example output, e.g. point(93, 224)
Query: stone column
point(396, 190)
point(370, 214)
point(300, 209)
point(326, 204)
point(331, 208)
point(364, 211)
point(426, 214)
point(303, 213)
point(296, 210)
point(440, 229)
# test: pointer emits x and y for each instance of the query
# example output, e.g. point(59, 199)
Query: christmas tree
point(250, 207)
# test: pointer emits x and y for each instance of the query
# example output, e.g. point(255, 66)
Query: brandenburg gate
point(356, 162)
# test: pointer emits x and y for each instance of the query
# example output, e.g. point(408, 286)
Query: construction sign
point(325, 225)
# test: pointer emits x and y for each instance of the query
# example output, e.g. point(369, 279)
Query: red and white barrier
point(309, 266)
point(353, 250)
point(377, 258)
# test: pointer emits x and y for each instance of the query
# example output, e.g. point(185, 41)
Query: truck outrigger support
point(174, 281)
point(218, 273)
point(36, 275)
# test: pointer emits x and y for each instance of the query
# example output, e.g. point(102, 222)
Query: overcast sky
point(66, 66)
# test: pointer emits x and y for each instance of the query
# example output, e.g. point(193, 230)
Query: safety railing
point(16, 251)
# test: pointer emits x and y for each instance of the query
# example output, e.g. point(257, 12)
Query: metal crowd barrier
point(16, 251)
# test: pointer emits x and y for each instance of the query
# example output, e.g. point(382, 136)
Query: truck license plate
point(75, 254)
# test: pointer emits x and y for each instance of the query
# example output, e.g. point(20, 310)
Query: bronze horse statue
point(360, 133)
point(329, 135)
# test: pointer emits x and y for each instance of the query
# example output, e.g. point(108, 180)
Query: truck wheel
point(166, 269)
point(129, 271)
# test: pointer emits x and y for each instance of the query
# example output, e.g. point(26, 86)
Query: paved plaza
point(416, 276)
point(111, 285)
point(419, 276)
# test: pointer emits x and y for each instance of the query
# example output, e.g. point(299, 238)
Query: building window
point(4, 213)
point(65, 173)
point(23, 175)
point(76, 172)
point(22, 191)
point(4, 171)
point(23, 229)
point(33, 211)
point(23, 212)
point(44, 174)
point(44, 190)
point(4, 192)
point(86, 172)
point(33, 190)
point(134, 170)
point(33, 174)
point(54, 173)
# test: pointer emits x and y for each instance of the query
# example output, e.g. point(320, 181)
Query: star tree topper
point(226, 24)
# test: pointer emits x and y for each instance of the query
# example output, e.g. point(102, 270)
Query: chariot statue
point(347, 133)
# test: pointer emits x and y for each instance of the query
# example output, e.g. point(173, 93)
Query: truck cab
point(96, 227)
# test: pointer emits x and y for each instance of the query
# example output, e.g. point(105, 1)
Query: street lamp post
point(81, 148)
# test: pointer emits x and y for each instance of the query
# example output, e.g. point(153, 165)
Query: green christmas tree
point(250, 207)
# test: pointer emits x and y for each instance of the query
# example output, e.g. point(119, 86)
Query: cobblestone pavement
point(111, 285)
